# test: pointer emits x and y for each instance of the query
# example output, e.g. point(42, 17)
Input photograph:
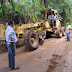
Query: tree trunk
point(45, 3)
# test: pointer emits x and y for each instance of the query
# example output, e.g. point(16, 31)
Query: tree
point(23, 10)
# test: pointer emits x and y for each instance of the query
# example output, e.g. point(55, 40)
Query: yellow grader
point(33, 34)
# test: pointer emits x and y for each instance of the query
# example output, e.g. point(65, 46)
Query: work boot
point(15, 68)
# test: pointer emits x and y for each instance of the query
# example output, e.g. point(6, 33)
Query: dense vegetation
point(30, 10)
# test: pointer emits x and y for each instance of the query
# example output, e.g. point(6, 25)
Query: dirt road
point(55, 55)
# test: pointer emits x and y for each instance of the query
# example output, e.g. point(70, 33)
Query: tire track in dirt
point(57, 62)
point(49, 57)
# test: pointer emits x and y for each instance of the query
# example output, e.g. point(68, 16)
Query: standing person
point(11, 40)
point(68, 31)
point(54, 19)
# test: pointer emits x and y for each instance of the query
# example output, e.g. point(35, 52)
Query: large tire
point(59, 32)
point(63, 31)
point(31, 40)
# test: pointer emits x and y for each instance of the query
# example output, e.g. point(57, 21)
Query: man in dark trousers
point(54, 19)
point(11, 40)
point(68, 31)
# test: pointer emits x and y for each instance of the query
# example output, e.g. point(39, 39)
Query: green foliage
point(63, 7)
point(26, 8)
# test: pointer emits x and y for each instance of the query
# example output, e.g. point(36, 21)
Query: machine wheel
point(48, 35)
point(41, 42)
point(63, 31)
point(59, 32)
point(31, 40)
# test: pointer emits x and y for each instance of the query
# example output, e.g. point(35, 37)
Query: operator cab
point(49, 13)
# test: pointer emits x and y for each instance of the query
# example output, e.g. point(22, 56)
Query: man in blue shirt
point(11, 40)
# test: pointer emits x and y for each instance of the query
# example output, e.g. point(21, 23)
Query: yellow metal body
point(41, 26)
point(21, 30)
point(47, 23)
point(58, 24)
point(2, 29)
point(48, 28)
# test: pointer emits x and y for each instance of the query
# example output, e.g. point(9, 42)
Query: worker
point(54, 19)
point(68, 31)
point(11, 40)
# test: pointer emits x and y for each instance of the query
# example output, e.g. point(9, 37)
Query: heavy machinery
point(2, 35)
point(49, 24)
point(33, 34)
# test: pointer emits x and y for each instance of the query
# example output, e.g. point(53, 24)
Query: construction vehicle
point(33, 34)
point(49, 24)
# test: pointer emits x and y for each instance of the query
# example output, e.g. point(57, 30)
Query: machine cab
point(49, 13)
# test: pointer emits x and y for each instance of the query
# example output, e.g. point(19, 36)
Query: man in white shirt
point(11, 40)
point(68, 31)
point(54, 19)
